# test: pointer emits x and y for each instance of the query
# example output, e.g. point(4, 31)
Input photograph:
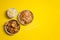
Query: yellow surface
point(46, 22)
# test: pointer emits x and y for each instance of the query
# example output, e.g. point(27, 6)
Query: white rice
point(12, 12)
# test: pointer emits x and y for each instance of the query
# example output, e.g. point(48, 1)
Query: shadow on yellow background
point(46, 22)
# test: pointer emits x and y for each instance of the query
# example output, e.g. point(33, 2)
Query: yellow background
point(46, 22)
